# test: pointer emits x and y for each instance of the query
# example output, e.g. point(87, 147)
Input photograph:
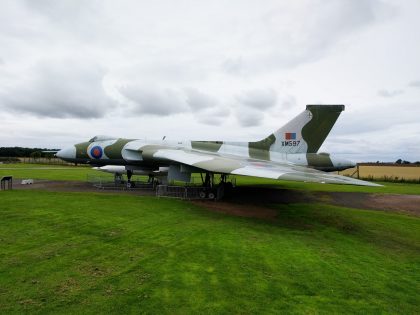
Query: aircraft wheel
point(129, 185)
point(202, 194)
point(212, 195)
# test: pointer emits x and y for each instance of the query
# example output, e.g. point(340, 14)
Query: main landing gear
point(118, 180)
point(151, 181)
point(211, 190)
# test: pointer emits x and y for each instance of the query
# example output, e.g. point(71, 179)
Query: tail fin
point(303, 134)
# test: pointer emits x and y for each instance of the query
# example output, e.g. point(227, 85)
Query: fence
point(44, 160)
point(110, 182)
point(189, 192)
point(32, 160)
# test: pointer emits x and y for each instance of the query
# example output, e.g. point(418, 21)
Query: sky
point(210, 70)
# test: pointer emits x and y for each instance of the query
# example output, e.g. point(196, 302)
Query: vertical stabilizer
point(303, 134)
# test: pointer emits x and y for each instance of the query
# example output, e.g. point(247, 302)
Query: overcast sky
point(211, 70)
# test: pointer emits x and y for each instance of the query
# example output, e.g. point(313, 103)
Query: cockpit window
point(101, 138)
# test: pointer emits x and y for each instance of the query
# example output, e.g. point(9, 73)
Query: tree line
point(24, 152)
point(401, 161)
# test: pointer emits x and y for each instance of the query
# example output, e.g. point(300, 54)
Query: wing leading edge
point(251, 167)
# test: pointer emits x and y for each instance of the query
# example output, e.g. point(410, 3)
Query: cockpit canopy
point(101, 138)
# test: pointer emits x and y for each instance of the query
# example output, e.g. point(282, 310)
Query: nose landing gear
point(129, 183)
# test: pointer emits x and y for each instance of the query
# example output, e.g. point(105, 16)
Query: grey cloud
point(164, 102)
point(254, 104)
point(342, 141)
point(59, 89)
point(284, 103)
point(367, 149)
point(213, 115)
point(167, 71)
point(154, 101)
point(375, 142)
point(376, 118)
point(287, 44)
point(198, 100)
point(80, 18)
point(249, 118)
point(258, 99)
point(234, 66)
point(390, 93)
point(64, 9)
point(211, 120)
point(415, 83)
point(287, 101)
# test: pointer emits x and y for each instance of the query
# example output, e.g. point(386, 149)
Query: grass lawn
point(49, 172)
point(87, 253)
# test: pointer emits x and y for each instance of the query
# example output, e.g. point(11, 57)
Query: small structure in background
point(27, 182)
point(8, 180)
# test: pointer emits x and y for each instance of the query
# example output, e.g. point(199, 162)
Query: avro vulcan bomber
point(290, 153)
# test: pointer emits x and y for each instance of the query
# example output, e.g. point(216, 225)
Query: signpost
point(8, 180)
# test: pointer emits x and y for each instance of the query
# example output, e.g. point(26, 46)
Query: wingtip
point(374, 184)
point(366, 183)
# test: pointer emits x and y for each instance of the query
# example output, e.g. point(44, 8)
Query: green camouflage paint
point(113, 151)
point(211, 146)
point(219, 165)
point(149, 150)
point(81, 150)
point(261, 149)
point(318, 128)
point(319, 160)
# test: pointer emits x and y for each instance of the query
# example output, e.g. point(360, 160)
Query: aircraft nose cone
point(67, 153)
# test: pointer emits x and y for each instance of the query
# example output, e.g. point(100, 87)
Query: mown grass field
point(50, 172)
point(392, 172)
point(88, 253)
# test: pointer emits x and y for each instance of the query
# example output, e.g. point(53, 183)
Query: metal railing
point(186, 192)
point(109, 182)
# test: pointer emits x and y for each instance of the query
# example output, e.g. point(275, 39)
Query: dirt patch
point(266, 195)
point(400, 203)
point(74, 186)
point(240, 210)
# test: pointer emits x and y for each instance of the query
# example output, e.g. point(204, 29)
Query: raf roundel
point(96, 152)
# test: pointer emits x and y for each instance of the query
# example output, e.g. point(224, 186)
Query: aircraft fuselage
point(132, 152)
